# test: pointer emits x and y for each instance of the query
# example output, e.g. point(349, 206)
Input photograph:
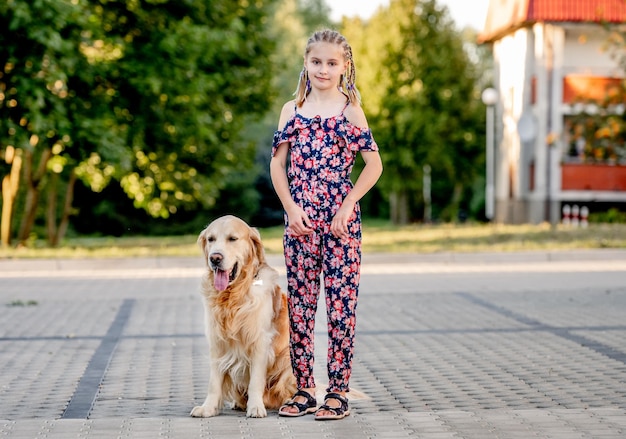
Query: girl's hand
point(299, 222)
point(339, 225)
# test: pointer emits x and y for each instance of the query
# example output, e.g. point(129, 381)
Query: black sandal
point(338, 412)
point(303, 409)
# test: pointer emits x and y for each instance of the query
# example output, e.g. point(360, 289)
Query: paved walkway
point(448, 346)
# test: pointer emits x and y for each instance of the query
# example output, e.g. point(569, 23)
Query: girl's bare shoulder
point(287, 111)
point(355, 115)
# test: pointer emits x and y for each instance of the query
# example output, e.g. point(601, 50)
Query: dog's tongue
point(221, 280)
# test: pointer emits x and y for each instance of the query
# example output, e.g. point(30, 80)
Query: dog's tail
point(353, 395)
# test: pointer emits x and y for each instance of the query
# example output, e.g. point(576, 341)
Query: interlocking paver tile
point(446, 347)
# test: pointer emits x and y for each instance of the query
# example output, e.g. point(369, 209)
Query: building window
point(594, 125)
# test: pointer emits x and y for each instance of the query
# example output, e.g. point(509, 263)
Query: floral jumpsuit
point(321, 156)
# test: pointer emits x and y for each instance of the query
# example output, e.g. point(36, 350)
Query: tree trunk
point(451, 212)
point(33, 189)
point(51, 209)
point(67, 207)
point(10, 186)
point(456, 200)
point(56, 234)
point(399, 207)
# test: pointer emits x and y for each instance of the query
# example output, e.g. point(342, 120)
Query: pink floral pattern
point(321, 157)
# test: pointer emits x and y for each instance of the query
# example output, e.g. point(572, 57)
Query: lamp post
point(490, 98)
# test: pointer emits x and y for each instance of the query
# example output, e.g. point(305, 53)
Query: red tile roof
point(577, 10)
point(506, 15)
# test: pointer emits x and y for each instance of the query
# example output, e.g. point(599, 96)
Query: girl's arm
point(367, 179)
point(298, 221)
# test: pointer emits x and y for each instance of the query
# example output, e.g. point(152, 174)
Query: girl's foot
point(300, 404)
point(335, 407)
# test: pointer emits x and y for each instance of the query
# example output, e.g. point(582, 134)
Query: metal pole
point(548, 184)
point(489, 172)
point(427, 195)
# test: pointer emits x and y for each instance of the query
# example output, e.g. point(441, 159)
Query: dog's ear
point(278, 301)
point(257, 244)
point(202, 244)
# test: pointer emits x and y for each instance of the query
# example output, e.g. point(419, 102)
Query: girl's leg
point(303, 285)
point(342, 263)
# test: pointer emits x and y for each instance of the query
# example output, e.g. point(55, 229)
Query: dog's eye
point(211, 239)
point(233, 238)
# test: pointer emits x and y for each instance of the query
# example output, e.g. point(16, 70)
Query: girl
point(321, 132)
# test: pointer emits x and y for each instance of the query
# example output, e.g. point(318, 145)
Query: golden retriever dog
point(247, 325)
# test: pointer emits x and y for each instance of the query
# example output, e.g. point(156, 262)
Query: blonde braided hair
point(347, 83)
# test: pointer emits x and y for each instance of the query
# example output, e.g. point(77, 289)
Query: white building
point(550, 63)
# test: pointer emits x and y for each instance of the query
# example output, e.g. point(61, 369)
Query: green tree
point(290, 26)
point(313, 15)
point(151, 93)
point(189, 76)
point(420, 93)
point(49, 106)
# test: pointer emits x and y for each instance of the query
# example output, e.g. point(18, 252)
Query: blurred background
point(151, 117)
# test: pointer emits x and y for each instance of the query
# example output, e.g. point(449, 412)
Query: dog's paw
point(256, 411)
point(202, 411)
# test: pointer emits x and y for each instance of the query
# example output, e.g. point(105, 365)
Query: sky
point(463, 12)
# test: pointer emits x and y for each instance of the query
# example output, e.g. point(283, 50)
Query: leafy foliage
point(172, 103)
point(152, 94)
point(290, 26)
point(419, 90)
point(186, 80)
point(50, 108)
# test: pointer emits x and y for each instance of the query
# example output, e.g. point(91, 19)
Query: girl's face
point(325, 64)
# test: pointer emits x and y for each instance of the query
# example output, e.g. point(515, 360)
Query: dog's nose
point(216, 258)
